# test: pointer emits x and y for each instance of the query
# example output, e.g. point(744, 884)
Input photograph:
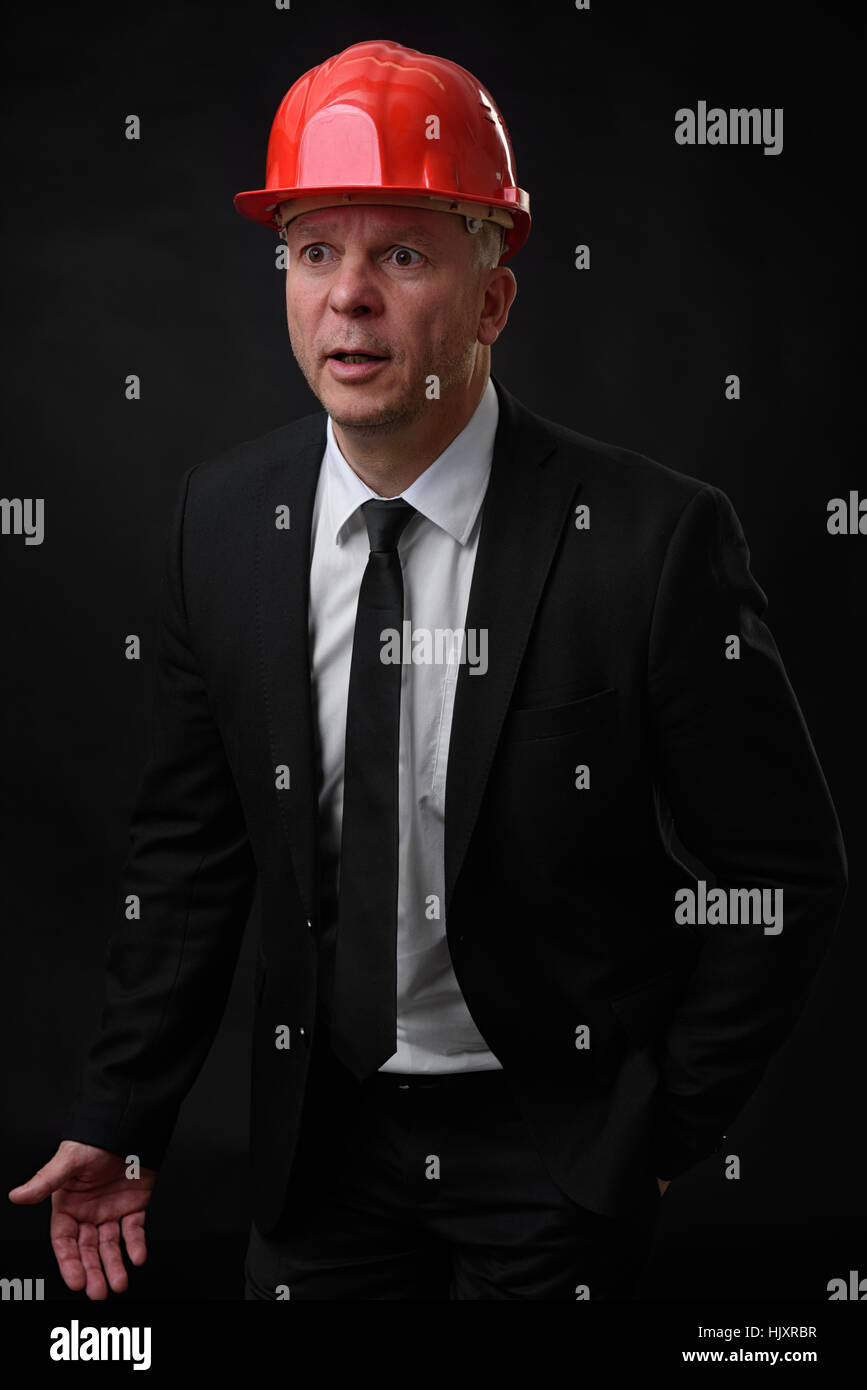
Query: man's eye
point(320, 248)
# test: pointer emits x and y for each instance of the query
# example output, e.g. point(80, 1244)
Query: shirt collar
point(449, 492)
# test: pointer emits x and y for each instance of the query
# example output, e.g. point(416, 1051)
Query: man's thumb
point(46, 1180)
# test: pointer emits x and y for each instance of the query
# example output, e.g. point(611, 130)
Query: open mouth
point(356, 357)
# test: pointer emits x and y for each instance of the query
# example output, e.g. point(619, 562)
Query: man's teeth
point(356, 357)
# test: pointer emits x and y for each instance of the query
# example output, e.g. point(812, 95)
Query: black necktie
point(364, 1002)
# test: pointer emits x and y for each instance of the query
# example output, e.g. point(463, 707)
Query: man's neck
point(389, 466)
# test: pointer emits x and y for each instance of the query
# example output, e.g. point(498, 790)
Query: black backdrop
point(127, 257)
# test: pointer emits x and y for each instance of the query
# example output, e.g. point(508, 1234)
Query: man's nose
point(354, 286)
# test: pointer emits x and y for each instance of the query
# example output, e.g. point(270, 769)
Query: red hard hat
point(380, 123)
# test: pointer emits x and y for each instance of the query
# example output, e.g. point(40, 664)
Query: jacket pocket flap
point(549, 721)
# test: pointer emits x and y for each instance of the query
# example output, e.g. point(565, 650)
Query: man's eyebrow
point(306, 227)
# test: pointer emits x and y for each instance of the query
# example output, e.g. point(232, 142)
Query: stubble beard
point(453, 368)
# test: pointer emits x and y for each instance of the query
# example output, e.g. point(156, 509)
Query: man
point(446, 678)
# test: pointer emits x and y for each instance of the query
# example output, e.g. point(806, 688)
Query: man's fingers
point(112, 1259)
point(64, 1243)
point(88, 1254)
point(133, 1228)
point(88, 1249)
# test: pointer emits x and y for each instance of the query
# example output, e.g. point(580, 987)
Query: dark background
point(128, 257)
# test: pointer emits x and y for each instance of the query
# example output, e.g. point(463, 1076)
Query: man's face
point(397, 282)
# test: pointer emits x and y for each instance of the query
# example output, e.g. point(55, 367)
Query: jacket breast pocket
point(553, 721)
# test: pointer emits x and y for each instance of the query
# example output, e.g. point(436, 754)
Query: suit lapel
point(282, 597)
point(523, 516)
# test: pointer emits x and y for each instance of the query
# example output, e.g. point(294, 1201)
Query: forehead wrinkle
point(307, 226)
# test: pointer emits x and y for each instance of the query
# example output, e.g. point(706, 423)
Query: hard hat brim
point(262, 204)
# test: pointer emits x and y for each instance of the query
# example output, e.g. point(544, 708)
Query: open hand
point(93, 1204)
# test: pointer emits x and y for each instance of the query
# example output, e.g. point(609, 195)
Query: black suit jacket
point(606, 649)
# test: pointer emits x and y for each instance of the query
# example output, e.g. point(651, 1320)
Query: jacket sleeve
point(748, 799)
point(171, 959)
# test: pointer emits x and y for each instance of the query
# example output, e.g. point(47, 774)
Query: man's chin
point(355, 407)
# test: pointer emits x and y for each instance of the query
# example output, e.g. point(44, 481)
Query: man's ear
point(493, 327)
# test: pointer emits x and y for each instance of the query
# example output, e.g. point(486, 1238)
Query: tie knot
point(386, 519)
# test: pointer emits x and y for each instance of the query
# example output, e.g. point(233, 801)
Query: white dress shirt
point(435, 1032)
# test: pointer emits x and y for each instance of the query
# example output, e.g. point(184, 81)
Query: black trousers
point(432, 1188)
